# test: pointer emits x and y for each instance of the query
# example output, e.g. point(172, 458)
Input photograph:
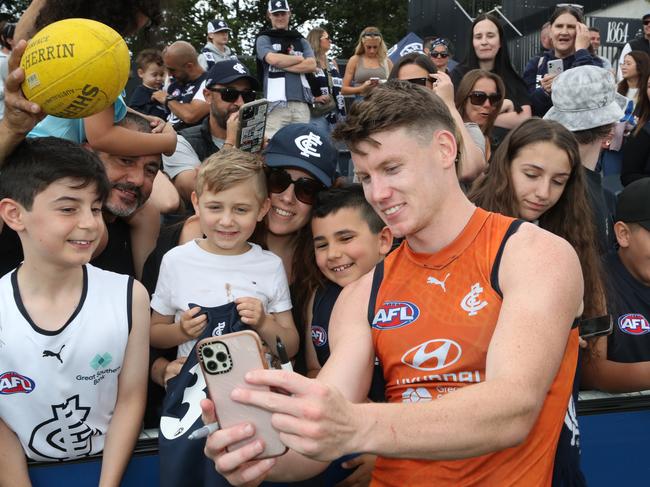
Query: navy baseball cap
point(278, 6)
point(646, 16)
point(217, 25)
point(633, 203)
point(229, 71)
point(303, 146)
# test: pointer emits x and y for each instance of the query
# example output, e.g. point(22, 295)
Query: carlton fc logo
point(395, 314)
point(633, 324)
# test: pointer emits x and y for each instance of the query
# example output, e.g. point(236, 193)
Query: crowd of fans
point(154, 188)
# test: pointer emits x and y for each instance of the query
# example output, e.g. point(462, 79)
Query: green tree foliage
point(187, 20)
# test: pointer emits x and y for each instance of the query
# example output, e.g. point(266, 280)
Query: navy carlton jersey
point(182, 461)
point(630, 308)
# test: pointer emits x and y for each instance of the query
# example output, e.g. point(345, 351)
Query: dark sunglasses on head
point(418, 81)
point(230, 95)
point(371, 34)
point(479, 97)
point(305, 189)
point(439, 54)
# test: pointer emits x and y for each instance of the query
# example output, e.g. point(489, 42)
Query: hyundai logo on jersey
point(318, 336)
point(395, 314)
point(633, 324)
point(433, 354)
point(15, 383)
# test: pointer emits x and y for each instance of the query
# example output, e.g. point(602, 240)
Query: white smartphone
point(555, 66)
point(252, 123)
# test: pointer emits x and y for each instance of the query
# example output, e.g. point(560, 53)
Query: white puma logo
point(433, 280)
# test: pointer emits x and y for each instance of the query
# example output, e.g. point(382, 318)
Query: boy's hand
point(160, 96)
point(251, 311)
point(173, 369)
point(193, 326)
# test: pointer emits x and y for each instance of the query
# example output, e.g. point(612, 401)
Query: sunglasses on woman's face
point(418, 81)
point(305, 189)
point(479, 97)
point(230, 95)
point(439, 54)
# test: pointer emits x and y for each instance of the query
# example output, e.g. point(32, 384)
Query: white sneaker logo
point(433, 280)
point(307, 144)
point(239, 68)
point(472, 302)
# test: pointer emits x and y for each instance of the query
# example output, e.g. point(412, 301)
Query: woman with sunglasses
point(490, 52)
point(479, 99)
point(536, 175)
point(439, 53)
point(419, 69)
point(369, 66)
point(571, 41)
point(325, 83)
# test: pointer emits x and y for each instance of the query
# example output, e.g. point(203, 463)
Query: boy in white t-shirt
point(230, 199)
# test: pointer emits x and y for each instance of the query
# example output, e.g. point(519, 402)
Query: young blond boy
point(230, 199)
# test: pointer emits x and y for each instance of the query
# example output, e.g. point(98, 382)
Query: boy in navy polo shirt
point(621, 362)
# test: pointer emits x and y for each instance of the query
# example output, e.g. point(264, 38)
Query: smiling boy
point(73, 337)
point(230, 199)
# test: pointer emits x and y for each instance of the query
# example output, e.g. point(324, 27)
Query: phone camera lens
point(207, 351)
point(212, 365)
point(222, 357)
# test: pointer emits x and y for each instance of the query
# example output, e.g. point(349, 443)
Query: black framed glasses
point(305, 189)
point(439, 54)
point(479, 97)
point(230, 95)
point(371, 34)
point(418, 81)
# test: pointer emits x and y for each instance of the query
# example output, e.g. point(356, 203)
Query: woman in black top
point(636, 151)
point(490, 53)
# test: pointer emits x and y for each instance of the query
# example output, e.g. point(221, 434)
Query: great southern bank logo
point(395, 314)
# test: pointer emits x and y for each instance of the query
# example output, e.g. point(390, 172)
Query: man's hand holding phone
point(232, 129)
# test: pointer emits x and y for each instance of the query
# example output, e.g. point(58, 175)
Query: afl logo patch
point(395, 314)
point(15, 383)
point(633, 324)
point(318, 336)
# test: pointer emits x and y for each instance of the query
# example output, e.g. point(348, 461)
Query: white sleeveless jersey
point(59, 388)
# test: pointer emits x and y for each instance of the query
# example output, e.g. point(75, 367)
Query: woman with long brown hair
point(536, 175)
point(369, 65)
point(479, 99)
point(635, 69)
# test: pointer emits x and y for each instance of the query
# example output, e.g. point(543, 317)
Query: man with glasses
point(228, 86)
point(184, 97)
point(637, 44)
point(283, 58)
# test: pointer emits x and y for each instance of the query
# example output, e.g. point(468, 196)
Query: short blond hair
point(226, 168)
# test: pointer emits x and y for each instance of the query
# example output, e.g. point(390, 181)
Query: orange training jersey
point(434, 319)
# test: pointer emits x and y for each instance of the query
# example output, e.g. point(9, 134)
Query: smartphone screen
point(592, 327)
point(252, 123)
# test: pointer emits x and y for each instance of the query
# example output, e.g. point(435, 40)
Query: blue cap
point(304, 146)
point(278, 6)
point(229, 71)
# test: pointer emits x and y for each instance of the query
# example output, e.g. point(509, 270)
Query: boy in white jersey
point(230, 199)
point(73, 338)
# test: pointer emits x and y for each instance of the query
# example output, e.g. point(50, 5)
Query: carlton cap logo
point(239, 68)
point(222, 24)
point(307, 144)
point(278, 4)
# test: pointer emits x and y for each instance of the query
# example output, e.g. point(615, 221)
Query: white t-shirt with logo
point(189, 274)
point(58, 389)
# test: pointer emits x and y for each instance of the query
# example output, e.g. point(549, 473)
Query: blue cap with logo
point(229, 71)
point(217, 25)
point(303, 146)
point(278, 6)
